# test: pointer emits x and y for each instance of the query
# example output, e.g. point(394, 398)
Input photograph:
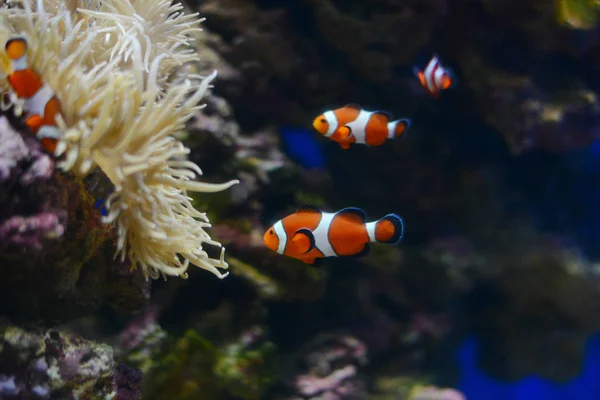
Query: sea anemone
point(109, 63)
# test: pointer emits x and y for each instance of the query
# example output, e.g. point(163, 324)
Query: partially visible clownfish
point(352, 124)
point(41, 105)
point(310, 234)
point(435, 77)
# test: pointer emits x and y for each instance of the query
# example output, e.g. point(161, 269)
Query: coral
point(23, 167)
point(140, 342)
point(184, 371)
point(128, 382)
point(578, 14)
point(411, 387)
point(55, 364)
point(245, 366)
point(119, 113)
point(29, 231)
point(196, 368)
point(434, 393)
point(532, 302)
point(540, 117)
point(531, 93)
point(329, 367)
point(65, 270)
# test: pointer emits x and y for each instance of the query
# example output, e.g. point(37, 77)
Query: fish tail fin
point(451, 75)
point(389, 229)
point(400, 127)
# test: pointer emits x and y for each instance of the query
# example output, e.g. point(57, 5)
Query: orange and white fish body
point(41, 105)
point(352, 124)
point(310, 234)
point(435, 77)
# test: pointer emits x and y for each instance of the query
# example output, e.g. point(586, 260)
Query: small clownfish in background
point(435, 77)
point(352, 124)
point(310, 234)
point(41, 105)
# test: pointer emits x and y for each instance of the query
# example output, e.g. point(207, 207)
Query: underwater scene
point(300, 199)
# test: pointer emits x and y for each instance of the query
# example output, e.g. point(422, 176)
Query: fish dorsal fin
point(303, 240)
point(308, 209)
point(353, 214)
point(354, 106)
point(386, 114)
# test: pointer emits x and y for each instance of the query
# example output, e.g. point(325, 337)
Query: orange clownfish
point(351, 124)
point(41, 105)
point(435, 77)
point(310, 234)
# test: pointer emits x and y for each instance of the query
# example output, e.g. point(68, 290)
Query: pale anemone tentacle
point(119, 111)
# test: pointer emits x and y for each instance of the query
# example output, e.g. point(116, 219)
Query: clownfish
point(352, 124)
point(41, 105)
point(310, 234)
point(435, 77)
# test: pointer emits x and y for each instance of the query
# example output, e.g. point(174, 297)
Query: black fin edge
point(308, 208)
point(398, 223)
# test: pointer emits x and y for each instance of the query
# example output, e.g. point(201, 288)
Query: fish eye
point(270, 231)
point(323, 120)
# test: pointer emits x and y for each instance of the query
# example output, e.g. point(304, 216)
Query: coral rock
point(330, 368)
point(55, 252)
point(24, 168)
point(58, 365)
point(434, 393)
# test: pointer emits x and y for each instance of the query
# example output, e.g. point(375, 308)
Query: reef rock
point(329, 367)
point(56, 255)
point(57, 365)
point(196, 368)
point(532, 301)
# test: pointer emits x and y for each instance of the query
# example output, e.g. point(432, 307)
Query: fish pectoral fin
point(363, 252)
point(303, 240)
point(345, 132)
